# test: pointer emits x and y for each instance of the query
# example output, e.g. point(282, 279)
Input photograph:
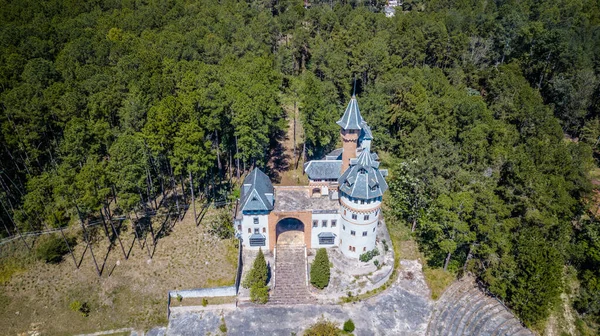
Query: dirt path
point(291, 172)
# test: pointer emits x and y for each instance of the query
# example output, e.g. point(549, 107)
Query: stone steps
point(466, 310)
point(290, 277)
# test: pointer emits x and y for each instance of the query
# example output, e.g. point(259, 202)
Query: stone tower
point(350, 124)
point(361, 188)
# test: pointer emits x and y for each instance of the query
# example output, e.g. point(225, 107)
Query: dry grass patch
point(130, 293)
point(438, 280)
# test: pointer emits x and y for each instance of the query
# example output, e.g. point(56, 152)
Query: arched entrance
point(290, 231)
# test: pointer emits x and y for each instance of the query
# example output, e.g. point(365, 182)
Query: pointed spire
point(351, 120)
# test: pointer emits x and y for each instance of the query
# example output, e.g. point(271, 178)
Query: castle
point(339, 207)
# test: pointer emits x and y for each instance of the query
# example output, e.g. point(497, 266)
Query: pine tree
point(319, 272)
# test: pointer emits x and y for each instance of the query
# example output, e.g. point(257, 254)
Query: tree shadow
point(279, 159)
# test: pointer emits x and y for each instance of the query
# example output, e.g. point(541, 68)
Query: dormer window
point(362, 171)
point(254, 199)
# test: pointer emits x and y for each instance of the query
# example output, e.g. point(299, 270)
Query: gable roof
point(363, 179)
point(351, 120)
point(256, 190)
point(323, 169)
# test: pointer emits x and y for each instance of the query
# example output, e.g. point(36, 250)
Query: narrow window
point(364, 249)
point(349, 248)
point(333, 223)
point(364, 233)
point(373, 229)
point(354, 216)
point(255, 220)
point(344, 212)
point(315, 223)
point(324, 223)
point(353, 233)
point(264, 230)
point(344, 227)
point(239, 228)
point(366, 217)
point(249, 230)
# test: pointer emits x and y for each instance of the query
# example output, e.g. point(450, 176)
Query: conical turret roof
point(363, 179)
point(351, 120)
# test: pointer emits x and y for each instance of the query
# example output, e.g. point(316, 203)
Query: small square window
point(323, 223)
point(353, 233)
point(366, 217)
point(255, 220)
point(315, 223)
point(364, 233)
point(333, 223)
point(354, 216)
point(257, 230)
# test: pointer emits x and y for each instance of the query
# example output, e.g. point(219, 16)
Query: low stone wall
point(204, 292)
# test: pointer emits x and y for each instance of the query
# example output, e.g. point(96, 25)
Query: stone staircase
point(290, 276)
point(464, 309)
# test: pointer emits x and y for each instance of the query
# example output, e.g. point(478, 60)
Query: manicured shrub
point(256, 279)
point(52, 248)
point(349, 326)
point(320, 271)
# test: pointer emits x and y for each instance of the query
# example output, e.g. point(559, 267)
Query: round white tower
point(360, 187)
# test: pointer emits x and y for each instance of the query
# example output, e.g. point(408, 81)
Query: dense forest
point(489, 112)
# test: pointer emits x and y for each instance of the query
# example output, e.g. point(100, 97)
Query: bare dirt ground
point(287, 164)
point(130, 293)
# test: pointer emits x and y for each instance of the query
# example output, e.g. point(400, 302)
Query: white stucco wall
point(360, 243)
point(262, 226)
point(319, 228)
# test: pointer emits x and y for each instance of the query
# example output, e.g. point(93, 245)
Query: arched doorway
point(290, 231)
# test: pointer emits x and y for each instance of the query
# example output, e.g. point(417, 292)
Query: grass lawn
point(130, 293)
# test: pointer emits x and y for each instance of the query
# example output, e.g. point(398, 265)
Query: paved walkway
point(403, 309)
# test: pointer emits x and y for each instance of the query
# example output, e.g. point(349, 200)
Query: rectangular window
point(366, 217)
point(315, 223)
point(255, 220)
point(257, 241)
point(364, 249)
point(354, 216)
point(264, 230)
point(326, 240)
point(249, 230)
point(323, 223)
point(239, 228)
point(333, 223)
point(353, 248)
point(349, 248)
point(353, 233)
point(362, 201)
point(256, 230)
point(364, 233)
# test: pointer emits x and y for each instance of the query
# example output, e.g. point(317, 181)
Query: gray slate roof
point(323, 169)
point(351, 120)
point(335, 154)
point(362, 179)
point(366, 131)
point(257, 192)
